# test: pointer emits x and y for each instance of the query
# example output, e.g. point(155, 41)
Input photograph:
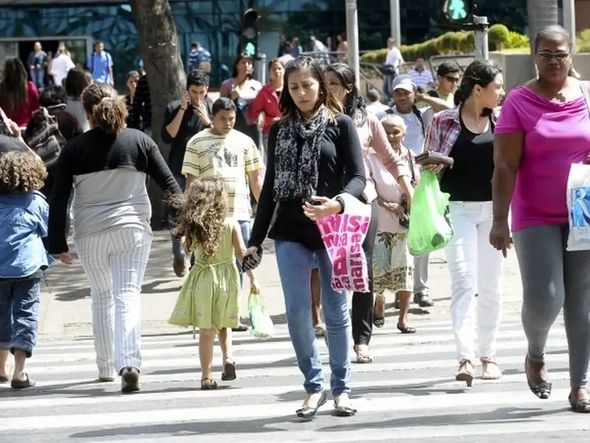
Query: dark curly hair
point(21, 172)
point(201, 215)
point(197, 77)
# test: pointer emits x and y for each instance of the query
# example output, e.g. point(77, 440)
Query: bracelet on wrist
point(183, 109)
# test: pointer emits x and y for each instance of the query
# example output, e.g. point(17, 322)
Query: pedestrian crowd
point(273, 161)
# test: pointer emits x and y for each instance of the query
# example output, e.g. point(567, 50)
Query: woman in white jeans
point(466, 134)
point(107, 167)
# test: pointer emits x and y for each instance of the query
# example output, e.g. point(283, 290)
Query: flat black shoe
point(406, 329)
point(309, 412)
point(129, 380)
point(229, 371)
point(541, 389)
point(240, 328)
point(22, 384)
point(4, 379)
point(582, 406)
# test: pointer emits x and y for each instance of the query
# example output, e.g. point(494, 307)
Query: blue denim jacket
point(23, 223)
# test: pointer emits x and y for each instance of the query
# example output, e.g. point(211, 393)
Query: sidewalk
point(66, 306)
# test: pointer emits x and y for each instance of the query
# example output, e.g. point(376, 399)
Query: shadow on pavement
point(195, 428)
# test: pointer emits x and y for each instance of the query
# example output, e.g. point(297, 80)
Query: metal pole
point(396, 30)
point(569, 21)
point(481, 37)
point(352, 37)
point(260, 68)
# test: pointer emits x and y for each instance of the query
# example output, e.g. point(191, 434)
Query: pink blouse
point(555, 136)
point(374, 139)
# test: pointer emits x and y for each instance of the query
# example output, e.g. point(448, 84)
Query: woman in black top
point(314, 154)
point(466, 134)
point(107, 167)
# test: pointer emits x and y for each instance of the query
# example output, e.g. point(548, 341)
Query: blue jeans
point(19, 314)
point(295, 264)
point(38, 77)
point(177, 249)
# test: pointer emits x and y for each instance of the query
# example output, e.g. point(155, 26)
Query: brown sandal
point(208, 384)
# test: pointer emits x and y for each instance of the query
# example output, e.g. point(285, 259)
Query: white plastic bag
point(578, 207)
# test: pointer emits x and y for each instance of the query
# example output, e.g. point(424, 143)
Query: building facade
point(216, 25)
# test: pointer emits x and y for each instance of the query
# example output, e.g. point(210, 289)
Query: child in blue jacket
point(23, 223)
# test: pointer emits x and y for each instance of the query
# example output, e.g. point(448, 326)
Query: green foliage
point(516, 40)
point(454, 43)
point(498, 36)
point(583, 41)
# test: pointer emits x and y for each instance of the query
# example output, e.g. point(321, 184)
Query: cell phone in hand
point(311, 201)
point(252, 259)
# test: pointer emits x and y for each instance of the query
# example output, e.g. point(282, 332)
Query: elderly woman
point(543, 129)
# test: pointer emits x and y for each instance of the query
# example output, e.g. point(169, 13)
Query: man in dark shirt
point(183, 119)
point(140, 115)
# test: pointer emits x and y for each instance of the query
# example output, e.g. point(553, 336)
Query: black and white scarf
point(297, 156)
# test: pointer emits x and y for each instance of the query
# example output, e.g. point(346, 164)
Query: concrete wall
point(519, 68)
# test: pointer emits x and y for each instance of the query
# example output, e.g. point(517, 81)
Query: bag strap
point(411, 163)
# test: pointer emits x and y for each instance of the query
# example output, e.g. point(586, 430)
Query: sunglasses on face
point(452, 79)
point(548, 56)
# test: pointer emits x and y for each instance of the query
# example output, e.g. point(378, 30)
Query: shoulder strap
point(418, 114)
point(411, 164)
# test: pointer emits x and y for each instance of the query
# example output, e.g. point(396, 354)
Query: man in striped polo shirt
point(221, 151)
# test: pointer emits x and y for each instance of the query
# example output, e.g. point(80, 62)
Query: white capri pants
point(115, 263)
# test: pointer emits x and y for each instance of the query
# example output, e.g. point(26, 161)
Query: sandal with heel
point(465, 372)
point(310, 412)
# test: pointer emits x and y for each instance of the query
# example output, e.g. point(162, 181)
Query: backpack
point(44, 137)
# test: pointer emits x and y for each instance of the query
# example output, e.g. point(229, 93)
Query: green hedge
point(583, 41)
point(452, 43)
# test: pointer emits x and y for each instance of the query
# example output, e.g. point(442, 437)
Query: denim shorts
point(19, 313)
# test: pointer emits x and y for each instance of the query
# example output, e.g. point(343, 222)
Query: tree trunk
point(541, 13)
point(158, 43)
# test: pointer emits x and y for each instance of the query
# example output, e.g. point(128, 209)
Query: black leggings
point(362, 302)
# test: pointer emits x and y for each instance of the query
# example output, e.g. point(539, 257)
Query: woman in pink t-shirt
point(543, 129)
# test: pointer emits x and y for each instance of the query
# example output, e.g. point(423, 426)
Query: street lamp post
point(396, 32)
point(352, 37)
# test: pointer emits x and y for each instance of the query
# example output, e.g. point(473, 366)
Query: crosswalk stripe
point(410, 373)
point(238, 412)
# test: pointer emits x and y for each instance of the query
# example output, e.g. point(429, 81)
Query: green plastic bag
point(261, 322)
point(429, 228)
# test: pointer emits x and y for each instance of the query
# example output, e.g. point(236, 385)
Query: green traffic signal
point(458, 11)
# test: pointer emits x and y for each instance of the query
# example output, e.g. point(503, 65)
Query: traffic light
point(458, 11)
point(250, 32)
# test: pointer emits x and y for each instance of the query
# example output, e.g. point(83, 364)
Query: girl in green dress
point(208, 299)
